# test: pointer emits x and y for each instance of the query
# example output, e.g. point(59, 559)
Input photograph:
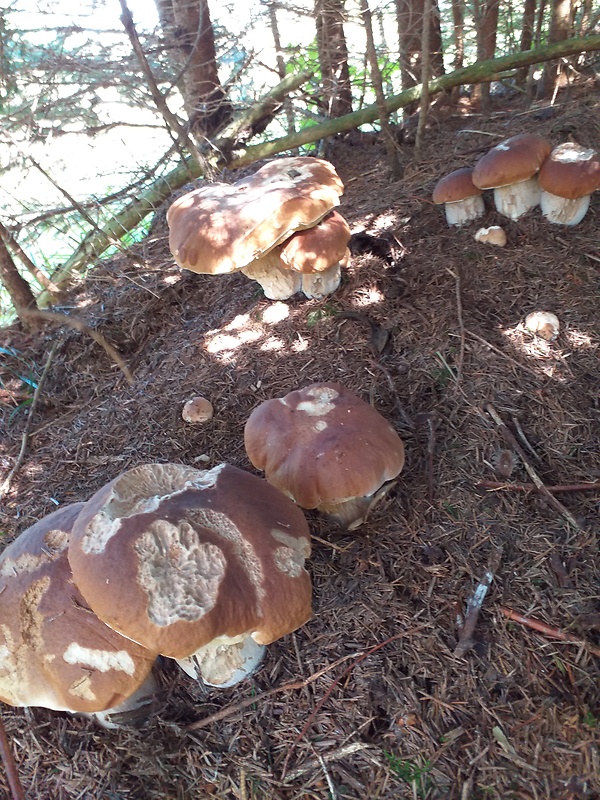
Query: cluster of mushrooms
point(278, 227)
point(205, 567)
point(524, 171)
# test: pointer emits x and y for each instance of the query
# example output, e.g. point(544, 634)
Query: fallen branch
point(531, 487)
point(539, 484)
point(474, 605)
point(547, 630)
point(25, 435)
point(78, 325)
point(16, 790)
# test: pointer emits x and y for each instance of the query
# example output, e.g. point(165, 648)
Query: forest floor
point(387, 707)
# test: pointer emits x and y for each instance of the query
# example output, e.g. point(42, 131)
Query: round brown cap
point(174, 557)
point(319, 247)
point(571, 171)
point(456, 186)
point(512, 161)
point(54, 651)
point(221, 228)
point(323, 444)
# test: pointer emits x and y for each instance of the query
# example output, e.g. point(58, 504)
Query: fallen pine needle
point(547, 630)
point(531, 487)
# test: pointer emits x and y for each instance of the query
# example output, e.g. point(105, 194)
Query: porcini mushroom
point(492, 235)
point(327, 449)
point(197, 409)
point(310, 260)
point(544, 324)
point(510, 169)
point(54, 651)
point(222, 228)
point(462, 200)
point(568, 178)
point(205, 567)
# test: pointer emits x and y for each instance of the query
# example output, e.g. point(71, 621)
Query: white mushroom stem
point(563, 211)
point(516, 199)
point(277, 283)
point(134, 711)
point(462, 211)
point(318, 285)
point(225, 661)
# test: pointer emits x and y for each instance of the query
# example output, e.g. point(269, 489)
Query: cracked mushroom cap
point(514, 160)
point(323, 446)
point(221, 228)
point(174, 557)
point(54, 651)
point(571, 171)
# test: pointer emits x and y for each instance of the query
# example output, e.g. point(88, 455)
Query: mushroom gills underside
point(133, 712)
point(462, 211)
point(225, 661)
point(562, 211)
point(354, 511)
point(516, 199)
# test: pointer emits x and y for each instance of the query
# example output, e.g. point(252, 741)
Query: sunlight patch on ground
point(548, 355)
point(172, 279)
point(272, 344)
point(368, 296)
point(276, 312)
point(579, 340)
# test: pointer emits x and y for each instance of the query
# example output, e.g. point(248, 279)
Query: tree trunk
point(486, 27)
point(409, 17)
point(425, 76)
point(333, 57)
point(287, 105)
point(527, 26)
point(458, 19)
point(388, 135)
point(561, 23)
point(15, 284)
point(189, 33)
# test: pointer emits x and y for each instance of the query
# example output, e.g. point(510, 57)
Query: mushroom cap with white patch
point(514, 160)
point(571, 171)
point(54, 651)
point(174, 557)
point(323, 445)
point(221, 228)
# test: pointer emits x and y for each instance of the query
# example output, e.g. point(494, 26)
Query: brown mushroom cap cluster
point(247, 226)
point(204, 567)
point(327, 449)
point(524, 171)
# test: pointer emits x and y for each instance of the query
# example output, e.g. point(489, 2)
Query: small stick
point(524, 439)
point(556, 504)
point(461, 325)
point(76, 323)
point(430, 455)
point(547, 630)
point(528, 487)
point(25, 435)
point(474, 606)
point(12, 775)
point(501, 353)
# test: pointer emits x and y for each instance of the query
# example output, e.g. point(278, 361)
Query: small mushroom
point(544, 324)
point(54, 651)
point(462, 200)
point(198, 409)
point(222, 228)
point(568, 178)
point(327, 449)
point(510, 169)
point(205, 567)
point(492, 235)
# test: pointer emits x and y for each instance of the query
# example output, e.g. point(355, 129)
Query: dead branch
point(539, 484)
point(547, 630)
point(25, 435)
point(531, 487)
point(78, 325)
point(12, 244)
point(12, 775)
point(474, 606)
point(461, 325)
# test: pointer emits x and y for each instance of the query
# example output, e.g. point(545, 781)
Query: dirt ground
point(428, 325)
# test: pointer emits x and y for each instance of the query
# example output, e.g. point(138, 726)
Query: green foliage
point(410, 772)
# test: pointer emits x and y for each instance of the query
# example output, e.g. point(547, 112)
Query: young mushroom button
point(54, 652)
point(327, 449)
point(204, 567)
point(462, 200)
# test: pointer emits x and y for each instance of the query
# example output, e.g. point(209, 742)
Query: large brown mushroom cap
point(222, 228)
point(571, 171)
point(323, 445)
point(54, 651)
point(456, 186)
point(318, 248)
point(175, 557)
point(514, 160)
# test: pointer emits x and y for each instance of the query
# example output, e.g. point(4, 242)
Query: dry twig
point(25, 435)
point(547, 630)
point(531, 487)
point(474, 606)
point(10, 767)
point(539, 484)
